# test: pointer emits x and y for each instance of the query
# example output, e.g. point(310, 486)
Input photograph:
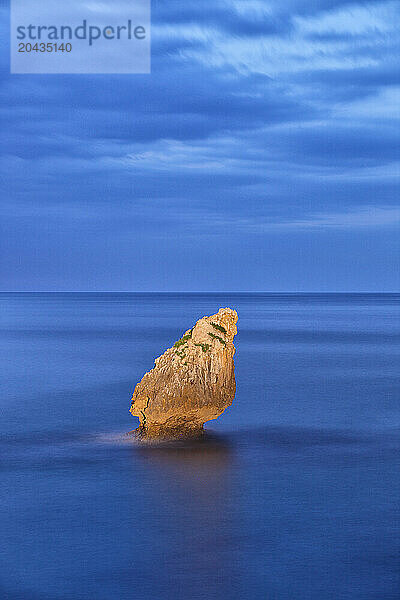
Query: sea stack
point(191, 383)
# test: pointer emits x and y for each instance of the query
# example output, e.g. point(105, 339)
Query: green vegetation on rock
point(183, 339)
point(219, 327)
point(180, 353)
point(204, 347)
point(217, 337)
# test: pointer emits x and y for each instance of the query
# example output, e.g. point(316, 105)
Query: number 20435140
point(49, 47)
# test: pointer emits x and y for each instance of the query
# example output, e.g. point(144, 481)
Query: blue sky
point(261, 154)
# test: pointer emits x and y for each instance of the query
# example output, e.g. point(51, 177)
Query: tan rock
point(192, 382)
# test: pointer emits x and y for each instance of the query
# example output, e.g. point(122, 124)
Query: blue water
point(292, 496)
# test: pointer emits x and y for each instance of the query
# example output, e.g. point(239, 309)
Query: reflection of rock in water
point(209, 455)
point(190, 502)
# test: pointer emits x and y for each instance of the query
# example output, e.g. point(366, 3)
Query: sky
point(260, 154)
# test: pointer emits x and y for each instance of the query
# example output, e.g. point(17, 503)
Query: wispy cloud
point(345, 38)
point(362, 217)
point(357, 218)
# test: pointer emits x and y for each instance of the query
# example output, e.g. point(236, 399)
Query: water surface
point(292, 495)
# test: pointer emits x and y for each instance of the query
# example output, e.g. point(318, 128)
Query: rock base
point(157, 433)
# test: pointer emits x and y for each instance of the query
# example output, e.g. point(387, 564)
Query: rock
point(191, 383)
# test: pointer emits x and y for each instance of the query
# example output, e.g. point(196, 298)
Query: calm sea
point(293, 496)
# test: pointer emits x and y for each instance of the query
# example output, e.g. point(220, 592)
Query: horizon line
point(197, 292)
